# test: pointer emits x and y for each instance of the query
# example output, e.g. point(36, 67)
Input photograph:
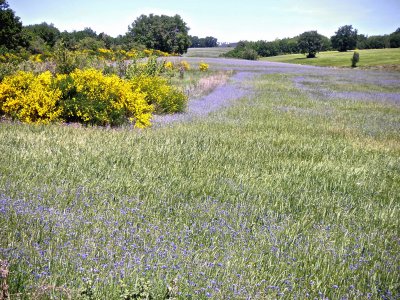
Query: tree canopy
point(168, 34)
point(395, 39)
point(310, 42)
point(345, 38)
point(207, 42)
point(10, 28)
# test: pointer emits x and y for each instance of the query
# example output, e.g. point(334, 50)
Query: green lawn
point(207, 52)
point(368, 58)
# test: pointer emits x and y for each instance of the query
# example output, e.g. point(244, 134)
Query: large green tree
point(310, 42)
point(10, 28)
point(168, 34)
point(345, 38)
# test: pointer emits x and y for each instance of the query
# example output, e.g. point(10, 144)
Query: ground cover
point(289, 191)
point(388, 58)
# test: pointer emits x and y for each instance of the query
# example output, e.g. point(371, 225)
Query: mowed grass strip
point(207, 52)
point(368, 58)
point(282, 195)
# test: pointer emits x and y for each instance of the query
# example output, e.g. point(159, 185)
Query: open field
point(291, 190)
point(207, 52)
point(390, 58)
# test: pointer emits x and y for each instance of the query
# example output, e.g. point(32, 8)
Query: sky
point(227, 20)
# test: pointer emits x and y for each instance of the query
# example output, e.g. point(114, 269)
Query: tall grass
point(284, 195)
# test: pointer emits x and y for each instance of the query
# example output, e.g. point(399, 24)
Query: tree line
point(311, 42)
point(170, 34)
point(164, 33)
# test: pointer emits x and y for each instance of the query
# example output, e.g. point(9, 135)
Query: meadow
point(289, 192)
point(372, 58)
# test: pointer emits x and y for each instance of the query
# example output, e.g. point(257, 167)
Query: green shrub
point(355, 59)
point(249, 54)
point(149, 67)
point(7, 68)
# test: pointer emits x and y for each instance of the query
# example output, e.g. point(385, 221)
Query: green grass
point(207, 52)
point(282, 195)
point(368, 58)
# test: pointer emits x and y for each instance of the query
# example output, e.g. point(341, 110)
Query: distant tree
point(326, 43)
point(395, 39)
point(362, 41)
point(345, 38)
point(108, 41)
point(288, 45)
point(47, 32)
point(194, 42)
point(210, 42)
point(310, 42)
point(37, 45)
point(86, 32)
point(10, 28)
point(168, 34)
point(90, 43)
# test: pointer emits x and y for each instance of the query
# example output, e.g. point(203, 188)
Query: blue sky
point(227, 20)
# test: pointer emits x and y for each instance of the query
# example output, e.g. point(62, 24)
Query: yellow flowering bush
point(164, 97)
point(203, 67)
point(169, 65)
point(93, 98)
point(30, 98)
point(185, 65)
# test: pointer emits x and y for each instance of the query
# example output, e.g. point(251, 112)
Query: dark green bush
point(355, 59)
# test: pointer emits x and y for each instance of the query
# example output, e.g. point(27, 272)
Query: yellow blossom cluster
point(165, 98)
point(85, 96)
point(203, 67)
point(30, 98)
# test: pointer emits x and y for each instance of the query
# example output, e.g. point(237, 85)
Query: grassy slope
point(368, 58)
point(207, 52)
point(287, 201)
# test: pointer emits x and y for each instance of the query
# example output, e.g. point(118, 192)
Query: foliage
point(310, 42)
point(90, 43)
point(203, 67)
point(264, 48)
point(164, 97)
point(373, 42)
point(355, 59)
point(345, 38)
point(90, 97)
point(10, 28)
point(30, 98)
point(65, 60)
point(140, 291)
point(244, 50)
point(395, 39)
point(48, 33)
point(168, 34)
point(149, 67)
point(7, 68)
point(207, 42)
